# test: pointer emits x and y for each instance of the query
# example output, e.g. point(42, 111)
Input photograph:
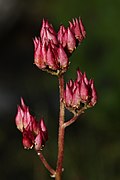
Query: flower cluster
point(51, 49)
point(34, 133)
point(80, 94)
point(72, 36)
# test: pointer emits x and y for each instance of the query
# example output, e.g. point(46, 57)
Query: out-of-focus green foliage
point(92, 144)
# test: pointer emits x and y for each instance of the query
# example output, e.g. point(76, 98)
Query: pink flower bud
point(71, 41)
point(44, 55)
point(78, 29)
point(71, 85)
point(27, 143)
point(39, 141)
point(39, 54)
point(67, 39)
point(45, 24)
point(83, 91)
point(76, 97)
point(62, 57)
point(82, 28)
point(52, 37)
point(68, 95)
point(79, 76)
point(23, 117)
point(62, 38)
point(93, 94)
point(19, 119)
point(47, 33)
point(42, 125)
point(35, 41)
point(44, 130)
point(28, 140)
point(51, 59)
point(85, 79)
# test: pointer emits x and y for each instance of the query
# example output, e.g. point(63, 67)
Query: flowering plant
point(51, 53)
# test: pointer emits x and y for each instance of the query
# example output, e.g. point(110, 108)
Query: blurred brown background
point(92, 144)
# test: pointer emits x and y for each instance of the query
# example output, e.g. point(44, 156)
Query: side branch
point(69, 122)
point(48, 167)
point(74, 118)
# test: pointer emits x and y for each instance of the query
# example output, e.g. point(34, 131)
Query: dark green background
point(92, 144)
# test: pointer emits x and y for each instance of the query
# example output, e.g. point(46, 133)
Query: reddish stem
point(74, 118)
point(48, 167)
point(61, 130)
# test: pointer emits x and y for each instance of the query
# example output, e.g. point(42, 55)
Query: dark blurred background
point(92, 144)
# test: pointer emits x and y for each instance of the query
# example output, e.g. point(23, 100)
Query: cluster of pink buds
point(80, 94)
point(51, 49)
point(34, 132)
point(72, 36)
